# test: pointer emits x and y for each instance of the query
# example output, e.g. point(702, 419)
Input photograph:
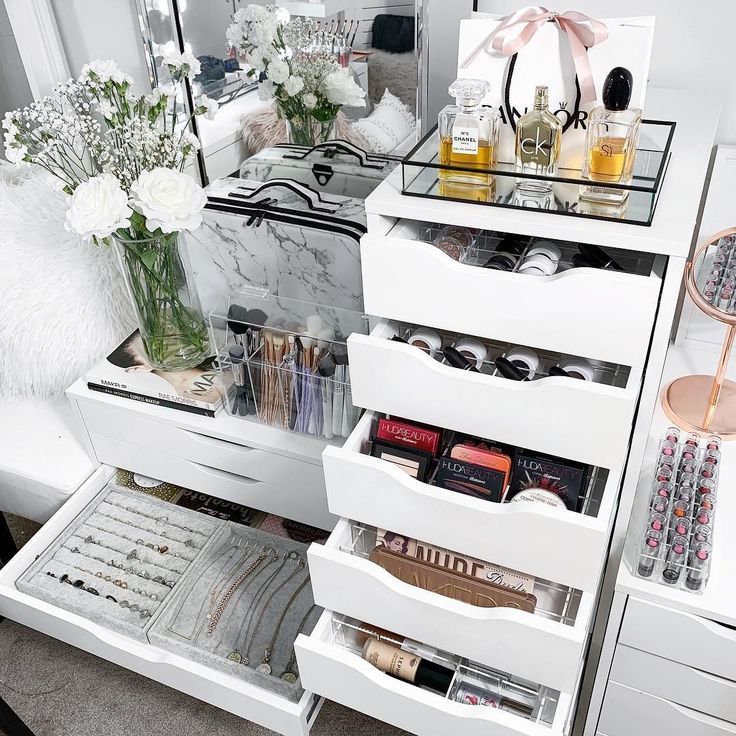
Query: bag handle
point(314, 199)
point(337, 146)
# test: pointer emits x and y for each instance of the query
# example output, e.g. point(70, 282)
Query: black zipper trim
point(330, 224)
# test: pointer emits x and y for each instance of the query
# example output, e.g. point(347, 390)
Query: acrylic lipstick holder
point(554, 602)
point(351, 635)
point(662, 564)
point(279, 382)
point(610, 374)
point(487, 243)
point(717, 278)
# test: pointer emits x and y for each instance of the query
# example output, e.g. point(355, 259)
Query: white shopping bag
point(540, 48)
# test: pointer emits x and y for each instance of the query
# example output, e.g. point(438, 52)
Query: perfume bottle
point(610, 146)
point(538, 139)
point(468, 134)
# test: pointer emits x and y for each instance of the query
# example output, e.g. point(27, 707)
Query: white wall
point(693, 43)
point(14, 89)
point(102, 29)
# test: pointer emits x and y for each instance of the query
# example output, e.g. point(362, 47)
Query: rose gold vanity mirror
point(708, 403)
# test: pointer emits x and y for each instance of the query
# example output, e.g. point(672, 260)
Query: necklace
point(235, 655)
point(144, 574)
point(290, 673)
point(186, 542)
point(213, 617)
point(265, 666)
point(160, 520)
point(299, 567)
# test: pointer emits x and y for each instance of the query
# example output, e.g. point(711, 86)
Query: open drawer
point(330, 662)
point(580, 420)
point(607, 315)
point(194, 678)
point(553, 544)
point(346, 581)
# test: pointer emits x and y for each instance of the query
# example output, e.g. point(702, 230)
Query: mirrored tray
point(424, 176)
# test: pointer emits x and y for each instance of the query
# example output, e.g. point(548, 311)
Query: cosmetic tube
point(649, 552)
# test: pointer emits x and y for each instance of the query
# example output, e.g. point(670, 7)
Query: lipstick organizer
point(284, 362)
point(676, 542)
point(363, 686)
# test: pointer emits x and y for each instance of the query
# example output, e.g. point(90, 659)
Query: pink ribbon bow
point(516, 30)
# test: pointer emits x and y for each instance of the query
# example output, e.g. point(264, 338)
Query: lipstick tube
point(706, 485)
point(699, 566)
point(660, 505)
point(708, 501)
point(713, 442)
point(703, 533)
point(667, 447)
point(712, 456)
point(657, 522)
point(664, 489)
point(675, 561)
point(680, 528)
point(672, 434)
point(648, 553)
point(703, 516)
point(707, 470)
point(692, 439)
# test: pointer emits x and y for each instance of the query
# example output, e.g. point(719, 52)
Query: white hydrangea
point(277, 71)
point(293, 86)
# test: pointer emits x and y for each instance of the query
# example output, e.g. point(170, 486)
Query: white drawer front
point(223, 691)
point(628, 712)
point(674, 681)
point(600, 314)
point(296, 492)
point(340, 675)
point(570, 418)
point(503, 638)
point(681, 637)
point(562, 546)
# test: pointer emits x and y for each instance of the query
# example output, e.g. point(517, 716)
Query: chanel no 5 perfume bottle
point(538, 139)
point(610, 146)
point(468, 133)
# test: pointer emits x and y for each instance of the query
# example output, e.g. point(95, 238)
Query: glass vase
point(172, 327)
point(306, 130)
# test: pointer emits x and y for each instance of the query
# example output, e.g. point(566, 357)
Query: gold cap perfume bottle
point(538, 139)
point(468, 134)
point(610, 146)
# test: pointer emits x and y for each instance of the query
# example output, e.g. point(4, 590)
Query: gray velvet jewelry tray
point(90, 563)
point(244, 631)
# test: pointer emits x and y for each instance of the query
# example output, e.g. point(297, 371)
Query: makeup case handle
point(315, 200)
point(335, 146)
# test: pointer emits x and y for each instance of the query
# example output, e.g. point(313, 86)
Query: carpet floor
point(62, 691)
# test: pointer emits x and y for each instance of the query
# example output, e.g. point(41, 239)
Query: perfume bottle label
point(464, 140)
point(536, 145)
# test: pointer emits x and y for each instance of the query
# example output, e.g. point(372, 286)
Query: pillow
point(64, 304)
point(397, 72)
point(390, 123)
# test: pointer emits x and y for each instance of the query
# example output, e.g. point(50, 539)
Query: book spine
point(155, 400)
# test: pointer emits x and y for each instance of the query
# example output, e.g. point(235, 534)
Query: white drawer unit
point(530, 537)
point(581, 311)
point(333, 664)
point(708, 646)
point(196, 679)
point(575, 419)
point(631, 712)
point(674, 681)
point(346, 581)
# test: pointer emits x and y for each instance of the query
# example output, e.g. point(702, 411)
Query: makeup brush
point(340, 356)
point(240, 405)
point(326, 369)
point(237, 322)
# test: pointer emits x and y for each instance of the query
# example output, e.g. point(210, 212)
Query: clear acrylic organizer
point(676, 544)
point(284, 362)
point(472, 684)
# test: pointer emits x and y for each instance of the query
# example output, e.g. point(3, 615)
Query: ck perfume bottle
point(468, 133)
point(538, 139)
point(610, 146)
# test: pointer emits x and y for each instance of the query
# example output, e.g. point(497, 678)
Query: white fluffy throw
point(63, 303)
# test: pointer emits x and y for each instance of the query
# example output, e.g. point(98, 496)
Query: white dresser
point(623, 319)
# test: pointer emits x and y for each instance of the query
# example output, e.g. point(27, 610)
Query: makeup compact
point(577, 368)
point(472, 349)
point(525, 360)
point(542, 259)
point(409, 435)
point(412, 461)
point(454, 242)
point(427, 340)
point(507, 254)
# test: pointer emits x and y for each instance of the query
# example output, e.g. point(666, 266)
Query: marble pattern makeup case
point(334, 167)
point(281, 236)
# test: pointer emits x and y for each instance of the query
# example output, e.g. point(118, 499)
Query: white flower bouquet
point(302, 75)
point(120, 158)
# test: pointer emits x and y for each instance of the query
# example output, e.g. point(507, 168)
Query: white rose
point(98, 207)
point(310, 101)
point(277, 71)
point(293, 85)
point(182, 65)
point(340, 89)
point(265, 90)
point(207, 107)
point(168, 199)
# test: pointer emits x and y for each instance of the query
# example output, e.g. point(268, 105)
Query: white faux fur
point(63, 303)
